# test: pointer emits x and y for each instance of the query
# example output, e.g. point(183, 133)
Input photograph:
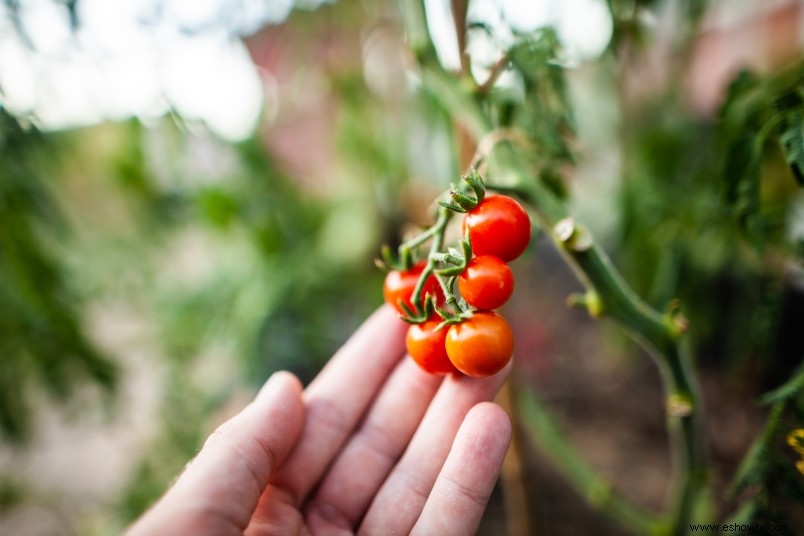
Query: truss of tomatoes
point(480, 342)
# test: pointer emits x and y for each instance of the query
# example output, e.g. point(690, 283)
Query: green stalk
point(594, 488)
point(437, 232)
point(657, 333)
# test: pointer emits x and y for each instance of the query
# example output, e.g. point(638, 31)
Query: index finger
point(339, 396)
point(219, 490)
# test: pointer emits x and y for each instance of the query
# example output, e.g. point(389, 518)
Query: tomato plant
point(498, 226)
point(481, 345)
point(487, 282)
point(400, 284)
point(427, 346)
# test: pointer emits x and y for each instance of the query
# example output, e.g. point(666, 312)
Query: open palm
point(374, 445)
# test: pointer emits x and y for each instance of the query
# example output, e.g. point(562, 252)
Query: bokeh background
point(192, 194)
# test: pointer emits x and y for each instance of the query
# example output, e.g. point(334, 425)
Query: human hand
point(374, 445)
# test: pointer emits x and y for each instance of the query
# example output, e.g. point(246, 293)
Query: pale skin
point(374, 445)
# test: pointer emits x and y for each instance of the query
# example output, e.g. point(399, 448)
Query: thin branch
point(494, 74)
point(594, 488)
point(459, 10)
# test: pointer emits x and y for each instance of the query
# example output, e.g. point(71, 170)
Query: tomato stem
point(436, 232)
point(454, 259)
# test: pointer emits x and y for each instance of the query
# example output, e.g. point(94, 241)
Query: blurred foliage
point(180, 433)
point(756, 112)
point(767, 467)
point(241, 269)
point(42, 340)
point(280, 302)
point(709, 210)
point(550, 123)
point(301, 277)
point(706, 209)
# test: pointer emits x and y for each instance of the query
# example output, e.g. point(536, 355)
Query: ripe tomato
point(427, 347)
point(399, 286)
point(498, 226)
point(480, 345)
point(487, 282)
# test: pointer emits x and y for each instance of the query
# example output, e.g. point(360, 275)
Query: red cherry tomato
point(498, 226)
point(427, 347)
point(480, 345)
point(487, 282)
point(399, 286)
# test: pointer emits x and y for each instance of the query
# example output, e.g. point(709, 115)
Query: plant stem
point(459, 10)
point(437, 232)
point(592, 486)
point(494, 73)
point(419, 239)
point(655, 332)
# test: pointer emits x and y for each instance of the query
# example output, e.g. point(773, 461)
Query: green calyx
point(402, 261)
point(422, 313)
point(464, 202)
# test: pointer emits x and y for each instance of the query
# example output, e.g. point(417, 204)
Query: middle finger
point(363, 464)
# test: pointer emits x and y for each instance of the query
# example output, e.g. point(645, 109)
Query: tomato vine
point(459, 325)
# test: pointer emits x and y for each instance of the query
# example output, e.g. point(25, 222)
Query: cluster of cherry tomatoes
point(480, 343)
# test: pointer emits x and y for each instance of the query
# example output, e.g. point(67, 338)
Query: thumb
point(220, 489)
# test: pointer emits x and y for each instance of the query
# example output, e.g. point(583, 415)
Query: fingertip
point(281, 381)
point(492, 419)
point(282, 393)
point(388, 315)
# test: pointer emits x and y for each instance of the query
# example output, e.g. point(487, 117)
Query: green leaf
point(543, 111)
point(752, 468)
point(755, 464)
point(217, 206)
point(741, 171)
point(788, 389)
point(541, 427)
point(452, 207)
point(745, 515)
point(475, 182)
point(792, 138)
